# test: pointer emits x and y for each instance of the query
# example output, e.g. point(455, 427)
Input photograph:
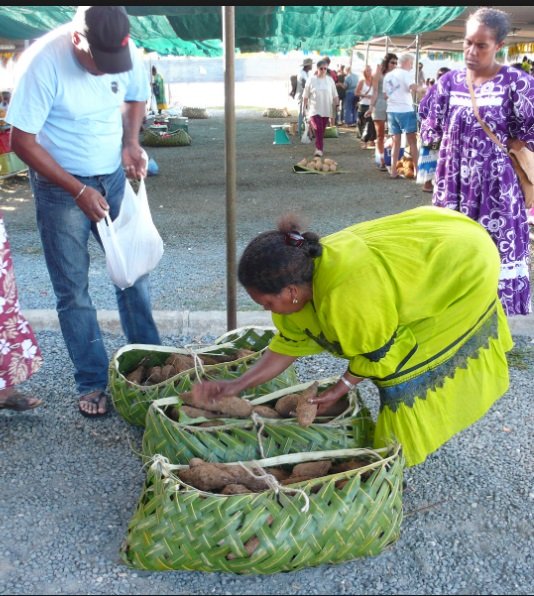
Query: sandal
point(96, 398)
point(19, 402)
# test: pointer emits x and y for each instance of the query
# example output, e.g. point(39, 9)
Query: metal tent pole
point(230, 152)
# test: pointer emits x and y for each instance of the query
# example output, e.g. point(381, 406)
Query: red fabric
point(319, 124)
point(5, 141)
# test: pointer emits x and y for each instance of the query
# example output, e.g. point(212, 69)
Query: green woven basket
point(132, 401)
point(331, 132)
point(315, 522)
point(256, 437)
point(177, 138)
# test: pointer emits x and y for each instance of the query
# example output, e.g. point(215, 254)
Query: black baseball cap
point(107, 31)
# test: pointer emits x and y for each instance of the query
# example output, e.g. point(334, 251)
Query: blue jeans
point(349, 111)
point(64, 230)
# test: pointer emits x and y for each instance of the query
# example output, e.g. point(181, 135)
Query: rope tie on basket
point(198, 365)
point(273, 483)
point(260, 425)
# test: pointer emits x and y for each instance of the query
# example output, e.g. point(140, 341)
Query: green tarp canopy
point(197, 30)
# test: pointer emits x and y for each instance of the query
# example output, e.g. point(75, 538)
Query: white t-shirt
point(75, 115)
point(397, 89)
point(320, 93)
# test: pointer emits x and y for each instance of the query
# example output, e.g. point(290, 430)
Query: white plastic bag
point(305, 138)
point(131, 242)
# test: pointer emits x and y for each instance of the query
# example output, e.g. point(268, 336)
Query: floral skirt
point(425, 407)
point(20, 355)
point(426, 166)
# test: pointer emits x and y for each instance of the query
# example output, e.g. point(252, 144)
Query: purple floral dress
point(476, 177)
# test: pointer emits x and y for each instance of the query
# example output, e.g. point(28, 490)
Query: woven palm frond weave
point(177, 138)
point(194, 113)
point(132, 401)
point(315, 522)
point(255, 437)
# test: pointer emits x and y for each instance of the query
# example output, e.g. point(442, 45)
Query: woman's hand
point(213, 390)
point(368, 114)
point(327, 398)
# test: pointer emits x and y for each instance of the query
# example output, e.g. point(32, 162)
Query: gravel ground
point(70, 485)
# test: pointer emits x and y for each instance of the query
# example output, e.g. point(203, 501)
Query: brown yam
point(346, 466)
point(167, 371)
point(235, 489)
point(198, 413)
point(211, 477)
point(180, 362)
point(278, 473)
point(313, 469)
point(173, 413)
point(306, 412)
point(266, 412)
point(137, 375)
point(229, 407)
point(196, 461)
point(287, 405)
point(154, 375)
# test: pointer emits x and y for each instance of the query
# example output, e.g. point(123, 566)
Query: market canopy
point(197, 30)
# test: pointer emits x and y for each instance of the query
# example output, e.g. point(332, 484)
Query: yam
point(180, 362)
point(167, 372)
point(137, 375)
point(235, 489)
point(209, 477)
point(328, 161)
point(279, 473)
point(313, 469)
point(302, 163)
point(333, 167)
point(154, 375)
point(306, 412)
point(192, 412)
point(286, 406)
point(325, 168)
point(266, 412)
point(352, 464)
point(230, 407)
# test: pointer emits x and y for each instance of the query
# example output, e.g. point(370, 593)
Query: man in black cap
point(76, 112)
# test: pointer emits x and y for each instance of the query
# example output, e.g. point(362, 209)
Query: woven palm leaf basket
point(330, 519)
point(233, 439)
point(177, 138)
point(132, 400)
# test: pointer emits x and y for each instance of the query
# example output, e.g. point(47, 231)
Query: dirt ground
point(188, 203)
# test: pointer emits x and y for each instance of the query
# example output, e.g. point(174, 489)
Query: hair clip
point(294, 239)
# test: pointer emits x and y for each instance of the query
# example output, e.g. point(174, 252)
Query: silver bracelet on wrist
point(80, 193)
point(347, 382)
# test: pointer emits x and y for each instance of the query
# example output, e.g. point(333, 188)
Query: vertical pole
point(417, 54)
point(367, 54)
point(230, 153)
point(387, 45)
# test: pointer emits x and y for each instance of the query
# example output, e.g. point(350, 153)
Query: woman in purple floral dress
point(473, 175)
point(20, 355)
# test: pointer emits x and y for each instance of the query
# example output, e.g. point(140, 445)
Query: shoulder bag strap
point(485, 127)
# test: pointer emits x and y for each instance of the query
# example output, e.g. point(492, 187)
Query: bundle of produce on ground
point(316, 165)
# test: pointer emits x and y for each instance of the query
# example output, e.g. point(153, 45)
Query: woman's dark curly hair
point(277, 258)
point(385, 62)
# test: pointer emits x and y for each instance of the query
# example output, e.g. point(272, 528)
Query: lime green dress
point(410, 300)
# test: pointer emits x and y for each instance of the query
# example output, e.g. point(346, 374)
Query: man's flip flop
point(20, 402)
point(95, 398)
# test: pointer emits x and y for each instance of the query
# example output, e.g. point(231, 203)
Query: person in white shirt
point(321, 100)
point(398, 87)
